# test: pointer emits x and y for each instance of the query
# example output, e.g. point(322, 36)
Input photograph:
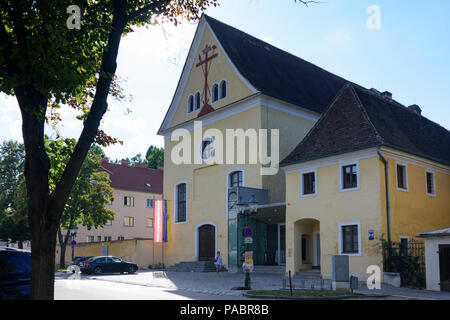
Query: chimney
point(141, 165)
point(160, 168)
point(387, 95)
point(375, 91)
point(105, 159)
point(124, 162)
point(416, 109)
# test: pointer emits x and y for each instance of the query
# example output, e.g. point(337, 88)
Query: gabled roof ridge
point(271, 45)
point(396, 104)
point(318, 122)
point(378, 136)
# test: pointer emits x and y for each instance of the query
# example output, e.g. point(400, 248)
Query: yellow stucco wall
point(327, 210)
point(220, 69)
point(207, 190)
point(412, 211)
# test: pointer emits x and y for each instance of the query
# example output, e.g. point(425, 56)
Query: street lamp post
point(252, 205)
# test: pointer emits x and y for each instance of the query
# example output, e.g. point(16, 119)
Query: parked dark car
point(78, 261)
point(15, 274)
point(104, 264)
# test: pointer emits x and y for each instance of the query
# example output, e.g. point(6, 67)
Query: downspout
point(388, 207)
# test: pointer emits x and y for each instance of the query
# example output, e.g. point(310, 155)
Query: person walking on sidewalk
point(218, 262)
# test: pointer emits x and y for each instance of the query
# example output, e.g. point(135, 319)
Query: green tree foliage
point(155, 157)
point(45, 64)
point(89, 196)
point(13, 208)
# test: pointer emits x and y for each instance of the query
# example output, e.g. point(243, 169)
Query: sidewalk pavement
point(222, 283)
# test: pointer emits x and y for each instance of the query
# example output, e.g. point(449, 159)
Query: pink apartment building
point(135, 189)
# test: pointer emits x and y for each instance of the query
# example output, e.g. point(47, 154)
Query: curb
point(248, 295)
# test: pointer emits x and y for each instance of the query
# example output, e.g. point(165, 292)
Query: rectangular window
point(350, 176)
point(181, 203)
point(350, 239)
point(430, 183)
point(108, 223)
point(309, 183)
point(236, 179)
point(149, 223)
point(150, 203)
point(107, 238)
point(120, 238)
point(90, 239)
point(404, 246)
point(128, 221)
point(401, 177)
point(99, 238)
point(128, 201)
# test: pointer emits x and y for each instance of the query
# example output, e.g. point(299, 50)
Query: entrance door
point(206, 242)
point(444, 266)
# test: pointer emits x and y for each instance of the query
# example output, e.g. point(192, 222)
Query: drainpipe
point(388, 208)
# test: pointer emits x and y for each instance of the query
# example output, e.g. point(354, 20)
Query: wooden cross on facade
point(206, 65)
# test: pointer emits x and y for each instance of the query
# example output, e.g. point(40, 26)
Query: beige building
point(135, 189)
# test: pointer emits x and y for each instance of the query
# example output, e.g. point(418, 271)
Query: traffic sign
point(73, 243)
point(248, 232)
point(248, 240)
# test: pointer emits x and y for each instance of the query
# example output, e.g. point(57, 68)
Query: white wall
point(432, 261)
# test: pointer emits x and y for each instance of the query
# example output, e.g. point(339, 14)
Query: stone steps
point(311, 274)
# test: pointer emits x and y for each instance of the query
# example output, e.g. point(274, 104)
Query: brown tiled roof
point(359, 119)
point(133, 178)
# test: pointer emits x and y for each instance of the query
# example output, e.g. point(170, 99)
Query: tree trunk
point(45, 209)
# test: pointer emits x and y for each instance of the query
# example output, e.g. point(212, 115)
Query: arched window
point(181, 202)
point(223, 89)
point(190, 103)
point(215, 92)
point(197, 100)
point(236, 179)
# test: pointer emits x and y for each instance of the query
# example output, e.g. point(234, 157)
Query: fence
point(408, 259)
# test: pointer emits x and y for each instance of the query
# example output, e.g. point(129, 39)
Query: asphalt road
point(85, 289)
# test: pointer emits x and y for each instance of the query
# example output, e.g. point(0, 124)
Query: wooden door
point(206, 242)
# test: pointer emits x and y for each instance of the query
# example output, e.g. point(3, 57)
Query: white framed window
point(349, 176)
point(149, 223)
point(90, 239)
point(109, 223)
point(128, 201)
point(208, 149)
point(120, 238)
point(308, 183)
point(190, 103)
point(215, 92)
point(99, 238)
point(181, 202)
point(198, 100)
point(349, 238)
point(401, 176)
point(128, 221)
point(430, 183)
point(150, 203)
point(107, 238)
point(223, 88)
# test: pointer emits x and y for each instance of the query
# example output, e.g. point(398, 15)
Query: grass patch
point(302, 293)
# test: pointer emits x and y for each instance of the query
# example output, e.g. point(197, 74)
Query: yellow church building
point(241, 106)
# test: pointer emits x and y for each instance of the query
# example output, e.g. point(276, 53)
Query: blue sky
point(408, 56)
